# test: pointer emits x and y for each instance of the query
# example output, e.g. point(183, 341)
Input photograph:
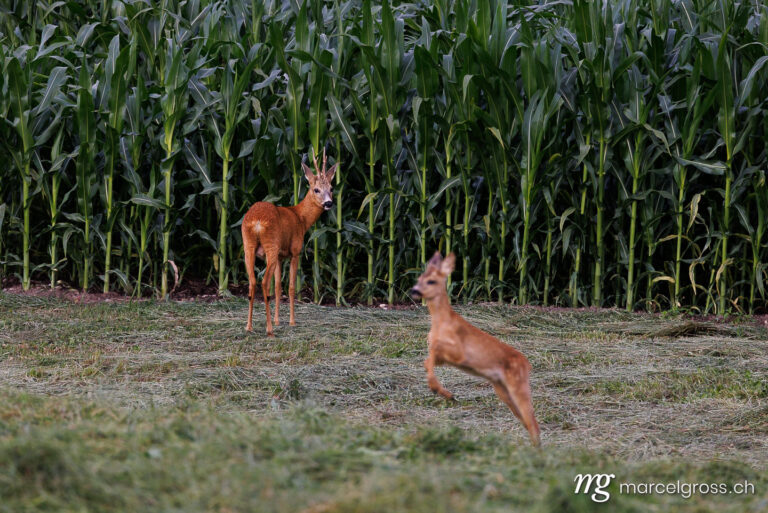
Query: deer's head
point(432, 281)
point(320, 189)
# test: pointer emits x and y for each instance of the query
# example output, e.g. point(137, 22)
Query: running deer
point(454, 341)
point(274, 233)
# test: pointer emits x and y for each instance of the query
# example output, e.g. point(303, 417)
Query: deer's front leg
point(434, 384)
point(292, 286)
point(278, 291)
point(250, 256)
point(265, 290)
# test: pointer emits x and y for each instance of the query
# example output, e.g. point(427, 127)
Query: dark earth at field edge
point(192, 289)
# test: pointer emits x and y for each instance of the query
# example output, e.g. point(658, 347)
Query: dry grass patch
point(335, 411)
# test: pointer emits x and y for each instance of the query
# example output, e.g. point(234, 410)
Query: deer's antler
point(314, 160)
point(325, 160)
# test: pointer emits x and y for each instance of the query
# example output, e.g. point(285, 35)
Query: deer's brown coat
point(454, 341)
point(275, 233)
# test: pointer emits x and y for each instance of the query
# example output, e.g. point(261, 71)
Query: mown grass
point(172, 407)
point(681, 387)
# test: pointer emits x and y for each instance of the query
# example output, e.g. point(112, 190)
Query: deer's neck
point(308, 211)
point(439, 308)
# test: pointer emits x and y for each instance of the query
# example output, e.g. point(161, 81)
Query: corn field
point(607, 153)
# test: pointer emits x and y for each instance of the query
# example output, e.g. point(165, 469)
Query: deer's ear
point(447, 265)
point(308, 172)
point(435, 260)
point(329, 174)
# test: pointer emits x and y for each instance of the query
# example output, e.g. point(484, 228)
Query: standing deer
point(274, 233)
point(454, 341)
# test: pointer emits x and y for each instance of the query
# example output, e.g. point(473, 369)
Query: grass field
point(172, 407)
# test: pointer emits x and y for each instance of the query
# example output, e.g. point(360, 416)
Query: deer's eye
point(317, 191)
point(431, 282)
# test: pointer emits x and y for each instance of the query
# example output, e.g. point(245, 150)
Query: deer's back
point(482, 351)
point(273, 225)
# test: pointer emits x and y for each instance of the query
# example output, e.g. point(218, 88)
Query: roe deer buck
point(454, 341)
point(274, 233)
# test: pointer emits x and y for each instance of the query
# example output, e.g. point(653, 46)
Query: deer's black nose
point(415, 294)
point(328, 204)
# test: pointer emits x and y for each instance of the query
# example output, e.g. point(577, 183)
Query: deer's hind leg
point(268, 274)
point(519, 390)
point(292, 287)
point(250, 258)
point(501, 391)
point(278, 291)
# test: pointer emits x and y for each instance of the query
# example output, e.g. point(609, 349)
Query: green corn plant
point(451, 127)
point(750, 97)
point(554, 181)
point(86, 121)
point(756, 235)
point(458, 115)
point(576, 234)
point(126, 219)
point(490, 63)
point(5, 135)
point(147, 205)
point(631, 192)
point(497, 190)
point(339, 227)
point(130, 154)
point(449, 135)
point(42, 121)
point(370, 125)
point(294, 90)
point(146, 32)
point(143, 200)
point(369, 116)
point(726, 124)
point(48, 112)
point(318, 121)
point(497, 79)
point(541, 68)
point(729, 18)
point(502, 125)
point(234, 108)
point(20, 98)
point(600, 99)
point(58, 164)
point(584, 144)
point(637, 157)
point(537, 115)
point(469, 204)
point(426, 87)
point(386, 78)
point(115, 68)
point(345, 132)
point(598, 68)
point(174, 79)
point(500, 183)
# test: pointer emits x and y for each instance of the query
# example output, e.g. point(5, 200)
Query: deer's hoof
point(293, 323)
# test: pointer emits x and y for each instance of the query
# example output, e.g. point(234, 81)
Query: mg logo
point(601, 482)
